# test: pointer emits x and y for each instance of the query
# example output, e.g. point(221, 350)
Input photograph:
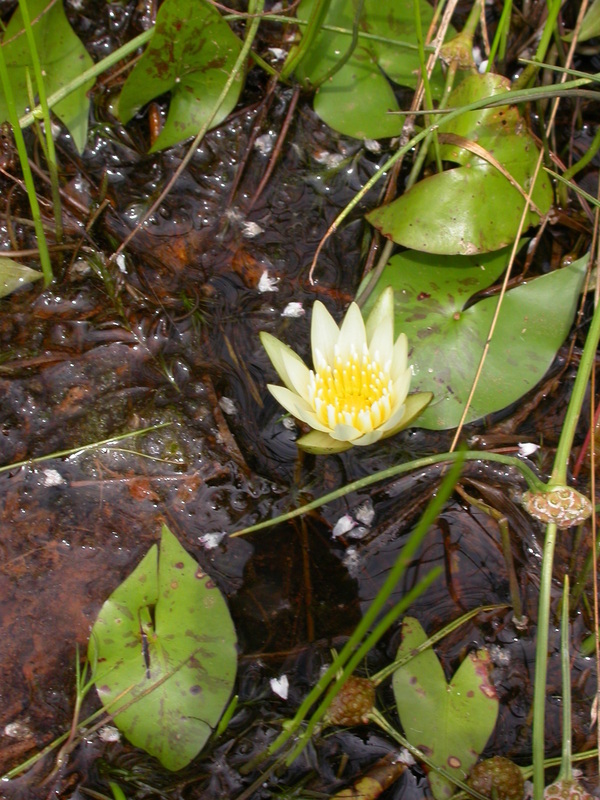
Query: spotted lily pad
point(450, 722)
point(447, 334)
point(191, 55)
point(164, 656)
point(356, 100)
point(475, 207)
point(63, 58)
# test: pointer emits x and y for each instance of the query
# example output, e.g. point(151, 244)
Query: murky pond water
point(170, 335)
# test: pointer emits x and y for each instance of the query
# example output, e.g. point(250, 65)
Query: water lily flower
point(357, 391)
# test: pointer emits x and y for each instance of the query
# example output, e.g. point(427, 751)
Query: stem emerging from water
point(559, 477)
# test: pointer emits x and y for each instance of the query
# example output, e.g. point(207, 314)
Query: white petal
point(344, 433)
point(365, 420)
point(382, 343)
point(323, 333)
point(380, 326)
point(352, 338)
point(392, 421)
point(368, 438)
point(296, 406)
point(299, 375)
point(401, 387)
point(415, 405)
point(400, 356)
point(281, 357)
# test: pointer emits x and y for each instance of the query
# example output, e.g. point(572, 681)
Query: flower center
point(355, 391)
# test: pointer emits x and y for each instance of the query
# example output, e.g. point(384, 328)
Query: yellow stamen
point(355, 391)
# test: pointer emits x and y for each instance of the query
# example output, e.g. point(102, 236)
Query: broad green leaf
point(590, 27)
point(191, 55)
point(368, 97)
point(473, 208)
point(163, 651)
point(446, 339)
point(356, 100)
point(63, 58)
point(450, 722)
point(13, 275)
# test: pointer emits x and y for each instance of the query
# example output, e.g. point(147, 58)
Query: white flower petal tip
point(357, 391)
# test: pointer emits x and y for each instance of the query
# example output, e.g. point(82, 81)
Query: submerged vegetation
point(389, 555)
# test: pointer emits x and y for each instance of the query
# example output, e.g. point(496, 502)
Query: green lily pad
point(590, 26)
point(164, 655)
point(13, 275)
point(63, 58)
point(191, 54)
point(357, 99)
point(446, 338)
point(450, 722)
point(472, 208)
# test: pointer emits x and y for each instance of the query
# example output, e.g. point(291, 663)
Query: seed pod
point(353, 704)
point(498, 778)
point(560, 504)
point(566, 790)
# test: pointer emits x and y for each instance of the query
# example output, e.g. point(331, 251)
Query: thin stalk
point(583, 162)
point(50, 151)
point(353, 652)
point(427, 85)
point(89, 74)
point(256, 7)
point(378, 718)
point(436, 637)
point(541, 656)
point(454, 52)
point(499, 43)
point(577, 189)
point(351, 47)
point(540, 54)
point(569, 88)
point(565, 443)
point(143, 38)
point(559, 477)
point(360, 652)
point(80, 448)
point(313, 28)
point(566, 768)
point(26, 168)
point(534, 483)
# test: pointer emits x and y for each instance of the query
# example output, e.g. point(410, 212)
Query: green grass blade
point(27, 174)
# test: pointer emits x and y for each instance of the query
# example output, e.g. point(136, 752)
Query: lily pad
point(191, 54)
point(450, 722)
point(13, 275)
point(63, 58)
point(357, 99)
point(475, 207)
point(446, 338)
point(163, 650)
point(590, 26)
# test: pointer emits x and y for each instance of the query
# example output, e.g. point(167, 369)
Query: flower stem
point(563, 451)
point(534, 483)
point(559, 476)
